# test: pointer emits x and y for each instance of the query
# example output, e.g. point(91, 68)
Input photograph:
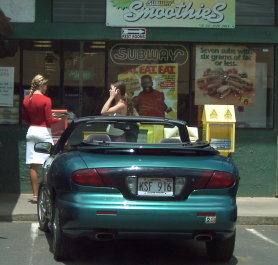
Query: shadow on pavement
point(139, 252)
point(8, 203)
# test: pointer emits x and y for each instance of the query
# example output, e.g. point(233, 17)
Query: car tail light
point(220, 180)
point(87, 177)
point(216, 180)
point(99, 177)
point(204, 179)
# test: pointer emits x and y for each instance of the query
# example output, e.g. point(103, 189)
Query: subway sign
point(135, 54)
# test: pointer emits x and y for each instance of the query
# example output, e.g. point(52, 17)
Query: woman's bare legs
point(34, 172)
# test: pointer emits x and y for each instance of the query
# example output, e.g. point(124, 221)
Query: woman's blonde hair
point(37, 82)
point(122, 87)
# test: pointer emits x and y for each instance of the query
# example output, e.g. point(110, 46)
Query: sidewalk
point(251, 211)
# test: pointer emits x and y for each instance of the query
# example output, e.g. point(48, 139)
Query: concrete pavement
point(251, 211)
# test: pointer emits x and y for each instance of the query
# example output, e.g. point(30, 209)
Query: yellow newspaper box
point(219, 127)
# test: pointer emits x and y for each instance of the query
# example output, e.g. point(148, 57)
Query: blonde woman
point(37, 114)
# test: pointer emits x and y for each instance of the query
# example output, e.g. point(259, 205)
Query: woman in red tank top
point(37, 114)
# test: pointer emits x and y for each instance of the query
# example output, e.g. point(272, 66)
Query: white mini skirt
point(34, 135)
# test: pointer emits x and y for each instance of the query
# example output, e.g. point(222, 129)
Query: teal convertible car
point(136, 177)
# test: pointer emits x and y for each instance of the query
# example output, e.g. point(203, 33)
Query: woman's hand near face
point(117, 108)
point(113, 91)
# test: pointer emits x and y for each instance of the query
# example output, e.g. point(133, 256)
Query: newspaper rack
point(219, 127)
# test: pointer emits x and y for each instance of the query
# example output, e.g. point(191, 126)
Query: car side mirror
point(43, 147)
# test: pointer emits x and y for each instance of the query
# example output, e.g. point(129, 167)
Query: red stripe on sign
point(167, 84)
point(107, 212)
point(206, 214)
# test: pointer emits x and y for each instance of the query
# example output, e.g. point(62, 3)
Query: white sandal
point(35, 199)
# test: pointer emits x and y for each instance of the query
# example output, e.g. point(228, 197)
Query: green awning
point(5, 26)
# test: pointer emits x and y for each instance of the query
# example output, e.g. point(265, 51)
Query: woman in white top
point(118, 104)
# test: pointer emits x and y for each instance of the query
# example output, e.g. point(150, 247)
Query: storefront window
point(80, 74)
point(84, 78)
point(79, 11)
point(167, 67)
point(9, 81)
point(75, 70)
point(255, 12)
point(43, 57)
point(260, 114)
point(239, 75)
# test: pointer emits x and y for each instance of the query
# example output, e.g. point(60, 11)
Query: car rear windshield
point(126, 132)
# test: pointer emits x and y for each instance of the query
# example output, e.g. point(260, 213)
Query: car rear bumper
point(88, 214)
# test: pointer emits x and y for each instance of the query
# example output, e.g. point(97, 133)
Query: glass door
point(84, 77)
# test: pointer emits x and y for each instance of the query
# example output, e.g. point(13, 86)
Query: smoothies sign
point(171, 13)
point(225, 75)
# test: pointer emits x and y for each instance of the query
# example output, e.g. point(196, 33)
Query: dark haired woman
point(37, 114)
point(118, 104)
point(122, 103)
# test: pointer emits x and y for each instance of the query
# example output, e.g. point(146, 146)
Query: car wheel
point(221, 250)
point(61, 244)
point(44, 208)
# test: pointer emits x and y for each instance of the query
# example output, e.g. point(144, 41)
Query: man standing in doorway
point(150, 102)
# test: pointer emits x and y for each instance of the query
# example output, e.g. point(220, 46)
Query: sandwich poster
point(225, 75)
point(164, 79)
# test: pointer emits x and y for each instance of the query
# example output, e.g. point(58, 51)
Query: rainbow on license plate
point(155, 187)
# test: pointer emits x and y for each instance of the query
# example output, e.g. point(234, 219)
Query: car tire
point(221, 249)
point(44, 208)
point(61, 244)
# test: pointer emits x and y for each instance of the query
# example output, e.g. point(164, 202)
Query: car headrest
point(170, 140)
point(98, 137)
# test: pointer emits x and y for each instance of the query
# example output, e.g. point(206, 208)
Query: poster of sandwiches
point(225, 74)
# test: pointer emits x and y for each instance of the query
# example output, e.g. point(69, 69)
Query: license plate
point(155, 187)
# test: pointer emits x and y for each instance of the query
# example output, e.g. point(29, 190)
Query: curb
point(257, 220)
